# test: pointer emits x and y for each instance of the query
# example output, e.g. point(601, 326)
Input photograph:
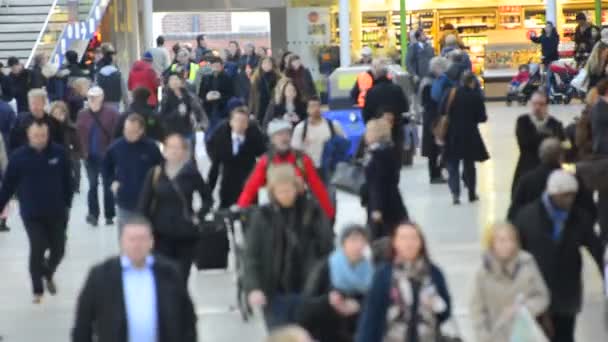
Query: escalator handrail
point(41, 33)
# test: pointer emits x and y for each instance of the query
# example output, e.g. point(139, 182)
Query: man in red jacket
point(143, 75)
point(279, 132)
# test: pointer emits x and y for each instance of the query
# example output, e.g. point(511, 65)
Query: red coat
point(257, 179)
point(143, 75)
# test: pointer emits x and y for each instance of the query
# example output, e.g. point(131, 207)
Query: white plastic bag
point(525, 328)
point(581, 80)
point(200, 154)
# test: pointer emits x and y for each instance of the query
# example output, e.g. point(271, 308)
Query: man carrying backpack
point(321, 139)
point(110, 79)
point(279, 132)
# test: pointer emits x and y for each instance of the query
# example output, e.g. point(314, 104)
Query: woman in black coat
point(180, 109)
point(430, 149)
point(549, 42)
point(385, 206)
point(335, 289)
point(466, 110)
point(287, 104)
point(531, 130)
point(166, 200)
point(263, 83)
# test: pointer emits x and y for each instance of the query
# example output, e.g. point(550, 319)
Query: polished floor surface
point(453, 234)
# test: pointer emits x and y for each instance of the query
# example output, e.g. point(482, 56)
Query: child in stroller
point(560, 77)
point(524, 84)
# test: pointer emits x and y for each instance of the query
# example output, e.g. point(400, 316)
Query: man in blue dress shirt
point(135, 297)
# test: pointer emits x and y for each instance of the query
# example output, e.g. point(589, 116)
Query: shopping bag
point(349, 176)
point(525, 328)
point(580, 82)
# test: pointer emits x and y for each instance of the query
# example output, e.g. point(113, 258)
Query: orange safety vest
point(365, 81)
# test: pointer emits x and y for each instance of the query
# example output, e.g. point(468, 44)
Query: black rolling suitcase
point(212, 247)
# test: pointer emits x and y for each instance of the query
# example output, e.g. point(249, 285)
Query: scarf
point(539, 124)
point(558, 216)
point(349, 278)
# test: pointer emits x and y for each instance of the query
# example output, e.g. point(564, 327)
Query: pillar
point(278, 30)
point(344, 21)
point(147, 12)
point(551, 12)
point(598, 13)
point(403, 28)
point(356, 20)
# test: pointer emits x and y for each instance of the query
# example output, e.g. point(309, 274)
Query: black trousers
point(564, 328)
point(602, 210)
point(434, 162)
point(180, 251)
point(46, 233)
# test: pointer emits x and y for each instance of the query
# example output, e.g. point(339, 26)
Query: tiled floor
point(453, 235)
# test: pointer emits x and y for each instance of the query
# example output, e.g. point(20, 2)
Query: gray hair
point(550, 151)
point(451, 40)
point(438, 63)
point(37, 93)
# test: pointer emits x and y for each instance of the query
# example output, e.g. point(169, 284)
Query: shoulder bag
point(440, 128)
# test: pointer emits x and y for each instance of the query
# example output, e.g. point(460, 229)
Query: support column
point(551, 12)
point(356, 20)
point(402, 15)
point(344, 21)
point(278, 30)
point(598, 13)
point(147, 12)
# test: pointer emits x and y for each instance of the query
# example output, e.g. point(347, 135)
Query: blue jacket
point(42, 181)
point(372, 323)
point(440, 87)
point(7, 120)
point(128, 164)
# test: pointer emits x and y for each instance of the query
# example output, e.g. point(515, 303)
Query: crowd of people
point(268, 142)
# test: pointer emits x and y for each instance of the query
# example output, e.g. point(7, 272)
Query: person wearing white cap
point(553, 230)
point(279, 131)
point(95, 126)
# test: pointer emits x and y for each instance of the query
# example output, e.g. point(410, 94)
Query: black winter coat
point(21, 84)
point(529, 140)
point(276, 111)
point(154, 126)
point(176, 113)
point(559, 262)
point(318, 316)
point(261, 94)
point(170, 211)
point(283, 246)
point(430, 115)
point(18, 136)
point(386, 95)
point(235, 169)
point(222, 83)
point(532, 185)
point(101, 311)
point(548, 45)
point(464, 141)
point(382, 173)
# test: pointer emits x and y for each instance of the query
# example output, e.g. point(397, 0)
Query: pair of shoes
point(456, 200)
point(473, 198)
point(439, 180)
point(92, 220)
point(109, 222)
point(3, 226)
point(37, 299)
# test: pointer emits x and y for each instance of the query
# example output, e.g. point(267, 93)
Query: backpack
point(335, 149)
point(111, 85)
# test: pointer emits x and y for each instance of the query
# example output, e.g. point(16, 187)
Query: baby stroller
point(560, 90)
point(522, 92)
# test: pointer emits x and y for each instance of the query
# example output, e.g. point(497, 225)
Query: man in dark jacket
point(135, 297)
point(20, 83)
point(140, 106)
point(215, 91)
point(110, 80)
point(531, 129)
point(95, 127)
point(37, 99)
point(234, 147)
point(532, 185)
point(384, 94)
point(419, 56)
point(285, 240)
point(553, 230)
point(127, 163)
point(585, 36)
point(41, 176)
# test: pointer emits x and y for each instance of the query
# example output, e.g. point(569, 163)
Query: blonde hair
point(37, 92)
point(492, 230)
point(290, 333)
point(80, 82)
point(59, 105)
point(379, 128)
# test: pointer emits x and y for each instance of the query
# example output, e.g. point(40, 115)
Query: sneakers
point(3, 226)
point(92, 220)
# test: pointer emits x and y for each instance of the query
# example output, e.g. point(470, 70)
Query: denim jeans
point(94, 167)
point(468, 175)
point(281, 310)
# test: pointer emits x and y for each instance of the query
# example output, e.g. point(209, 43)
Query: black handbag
point(349, 177)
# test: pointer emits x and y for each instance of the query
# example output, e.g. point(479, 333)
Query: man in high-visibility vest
point(365, 82)
point(185, 67)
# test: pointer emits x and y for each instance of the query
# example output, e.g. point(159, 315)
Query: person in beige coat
point(507, 278)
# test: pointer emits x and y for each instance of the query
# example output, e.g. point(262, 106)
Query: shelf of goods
point(414, 20)
point(374, 30)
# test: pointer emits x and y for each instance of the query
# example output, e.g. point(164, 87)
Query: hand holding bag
point(349, 177)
